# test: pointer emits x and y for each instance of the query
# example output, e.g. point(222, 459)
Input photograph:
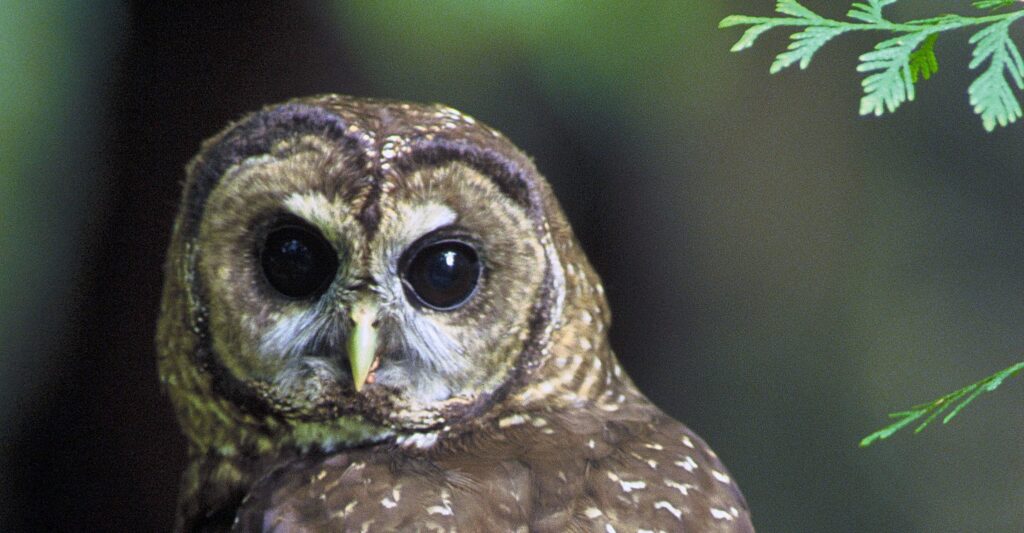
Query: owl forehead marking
point(316, 208)
point(393, 146)
point(422, 219)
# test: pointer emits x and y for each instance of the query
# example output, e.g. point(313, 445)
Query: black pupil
point(443, 275)
point(298, 262)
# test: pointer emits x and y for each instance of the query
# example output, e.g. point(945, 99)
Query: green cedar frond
point(923, 62)
point(993, 4)
point(898, 63)
point(956, 400)
point(804, 45)
point(871, 12)
point(991, 94)
point(792, 7)
point(891, 83)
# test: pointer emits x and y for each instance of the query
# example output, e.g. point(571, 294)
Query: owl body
point(376, 317)
point(634, 471)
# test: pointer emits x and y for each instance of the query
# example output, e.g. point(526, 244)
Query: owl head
point(347, 270)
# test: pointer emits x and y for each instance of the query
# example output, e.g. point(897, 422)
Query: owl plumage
point(376, 317)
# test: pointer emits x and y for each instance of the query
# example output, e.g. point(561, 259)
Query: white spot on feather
point(670, 508)
point(720, 476)
point(720, 514)
point(395, 497)
point(509, 421)
point(689, 465)
point(418, 440)
point(627, 486)
point(445, 509)
point(630, 486)
point(592, 512)
point(348, 509)
point(683, 488)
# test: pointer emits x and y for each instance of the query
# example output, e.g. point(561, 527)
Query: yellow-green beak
point(362, 342)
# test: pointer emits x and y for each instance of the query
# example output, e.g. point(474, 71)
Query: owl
point(376, 318)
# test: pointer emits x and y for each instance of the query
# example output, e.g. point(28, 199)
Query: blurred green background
point(782, 272)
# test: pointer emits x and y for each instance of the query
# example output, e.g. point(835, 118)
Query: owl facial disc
point(355, 263)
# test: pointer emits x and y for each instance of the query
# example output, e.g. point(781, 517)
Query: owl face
point(330, 292)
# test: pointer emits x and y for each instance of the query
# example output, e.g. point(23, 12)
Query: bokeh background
point(782, 272)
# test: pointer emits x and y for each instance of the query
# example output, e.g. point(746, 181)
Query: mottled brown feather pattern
point(520, 420)
point(646, 472)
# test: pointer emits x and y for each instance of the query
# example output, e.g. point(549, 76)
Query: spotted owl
point(377, 318)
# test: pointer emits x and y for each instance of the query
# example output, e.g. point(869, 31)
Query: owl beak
point(362, 342)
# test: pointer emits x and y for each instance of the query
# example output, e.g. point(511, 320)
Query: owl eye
point(297, 261)
point(442, 275)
